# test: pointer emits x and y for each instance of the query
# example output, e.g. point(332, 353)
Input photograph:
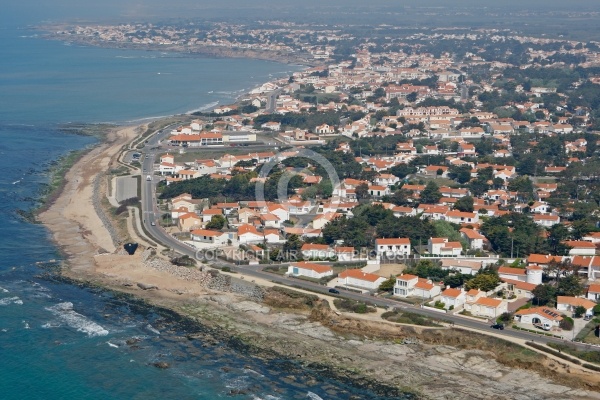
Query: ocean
point(63, 341)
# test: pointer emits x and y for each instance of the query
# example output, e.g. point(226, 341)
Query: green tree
point(570, 285)
point(362, 191)
point(388, 284)
point(543, 294)
point(486, 279)
point(579, 311)
point(461, 173)
point(431, 194)
point(465, 204)
point(216, 222)
point(454, 280)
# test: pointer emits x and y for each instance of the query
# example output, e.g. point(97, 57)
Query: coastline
point(364, 352)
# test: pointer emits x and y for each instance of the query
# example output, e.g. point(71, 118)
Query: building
point(310, 270)
point(411, 285)
point(593, 292)
point(360, 279)
point(490, 308)
point(210, 236)
point(316, 251)
point(569, 303)
point(393, 247)
point(452, 298)
point(474, 238)
point(462, 266)
point(581, 248)
point(442, 247)
point(539, 315)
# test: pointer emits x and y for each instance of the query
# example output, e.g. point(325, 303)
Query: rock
point(145, 286)
point(246, 306)
point(161, 365)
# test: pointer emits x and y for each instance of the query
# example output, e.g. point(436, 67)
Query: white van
point(149, 178)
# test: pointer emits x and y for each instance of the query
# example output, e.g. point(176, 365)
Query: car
point(153, 223)
point(498, 326)
point(334, 291)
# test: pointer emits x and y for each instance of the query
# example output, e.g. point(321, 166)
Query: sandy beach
point(439, 363)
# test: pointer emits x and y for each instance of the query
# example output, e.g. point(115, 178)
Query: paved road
point(272, 100)
point(151, 216)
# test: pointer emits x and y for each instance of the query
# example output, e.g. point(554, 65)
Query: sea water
point(63, 341)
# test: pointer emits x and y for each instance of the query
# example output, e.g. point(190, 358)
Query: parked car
point(498, 326)
point(335, 291)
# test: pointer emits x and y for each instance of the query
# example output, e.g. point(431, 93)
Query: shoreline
point(353, 349)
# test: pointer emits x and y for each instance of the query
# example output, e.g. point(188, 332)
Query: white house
point(581, 248)
point(461, 217)
point(360, 279)
point(210, 236)
point(426, 289)
point(442, 247)
point(318, 251)
point(517, 274)
point(546, 220)
point(593, 292)
point(487, 307)
point(452, 298)
point(474, 238)
point(393, 247)
point(462, 266)
point(539, 315)
point(310, 270)
point(249, 234)
point(344, 253)
point(569, 303)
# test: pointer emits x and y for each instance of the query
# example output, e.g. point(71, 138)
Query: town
point(465, 168)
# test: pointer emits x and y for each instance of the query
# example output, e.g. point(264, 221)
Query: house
point(442, 247)
point(310, 270)
point(487, 307)
point(452, 298)
point(323, 219)
point(189, 221)
point(593, 237)
point(461, 217)
point(569, 303)
point(316, 251)
point(248, 234)
point(209, 236)
point(519, 288)
point(581, 248)
point(393, 247)
point(378, 191)
point(344, 253)
point(593, 292)
point(209, 213)
point(411, 285)
point(272, 236)
point(462, 266)
point(360, 279)
point(539, 315)
point(546, 220)
point(426, 289)
point(516, 274)
point(474, 238)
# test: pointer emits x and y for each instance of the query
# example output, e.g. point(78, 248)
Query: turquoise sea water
point(61, 341)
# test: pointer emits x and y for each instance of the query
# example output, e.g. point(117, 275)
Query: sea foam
point(64, 312)
point(10, 300)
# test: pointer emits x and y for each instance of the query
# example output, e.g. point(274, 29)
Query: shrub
point(451, 308)
point(226, 269)
point(597, 309)
point(566, 323)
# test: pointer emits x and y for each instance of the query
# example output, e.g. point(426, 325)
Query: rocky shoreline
point(187, 51)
